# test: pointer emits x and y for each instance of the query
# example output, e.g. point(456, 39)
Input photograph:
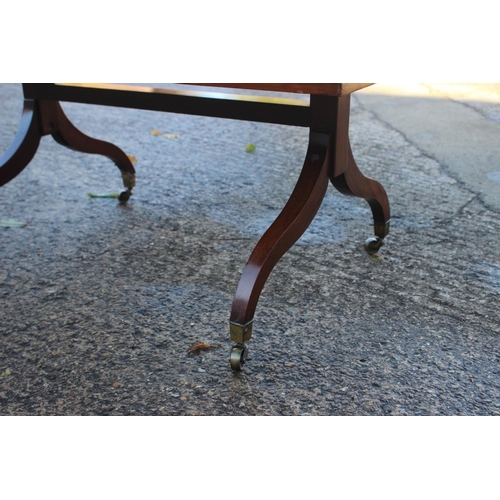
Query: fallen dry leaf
point(116, 385)
point(132, 159)
point(156, 132)
point(201, 347)
point(171, 136)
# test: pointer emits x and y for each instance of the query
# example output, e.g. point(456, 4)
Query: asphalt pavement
point(101, 302)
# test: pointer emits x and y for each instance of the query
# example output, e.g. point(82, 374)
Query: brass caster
point(239, 354)
point(124, 196)
point(373, 245)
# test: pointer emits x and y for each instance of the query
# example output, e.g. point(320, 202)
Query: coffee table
point(329, 158)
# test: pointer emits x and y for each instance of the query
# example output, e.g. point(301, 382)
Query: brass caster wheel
point(373, 245)
point(239, 354)
point(124, 196)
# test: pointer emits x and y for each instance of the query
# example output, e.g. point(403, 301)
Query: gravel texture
point(101, 302)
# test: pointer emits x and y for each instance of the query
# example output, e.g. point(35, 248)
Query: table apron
point(221, 105)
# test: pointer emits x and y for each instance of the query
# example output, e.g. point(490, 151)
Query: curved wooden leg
point(25, 144)
point(294, 219)
point(353, 183)
point(65, 133)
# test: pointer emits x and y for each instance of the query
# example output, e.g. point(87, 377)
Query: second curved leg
point(353, 183)
point(294, 219)
point(24, 146)
point(66, 134)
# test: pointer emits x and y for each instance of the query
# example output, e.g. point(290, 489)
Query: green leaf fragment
point(103, 195)
point(6, 373)
point(250, 148)
point(12, 223)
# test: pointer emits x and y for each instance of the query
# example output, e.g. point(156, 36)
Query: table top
point(333, 89)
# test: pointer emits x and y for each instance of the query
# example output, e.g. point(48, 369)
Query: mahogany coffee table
point(328, 158)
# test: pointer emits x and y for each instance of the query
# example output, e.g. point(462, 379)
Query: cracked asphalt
point(101, 302)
